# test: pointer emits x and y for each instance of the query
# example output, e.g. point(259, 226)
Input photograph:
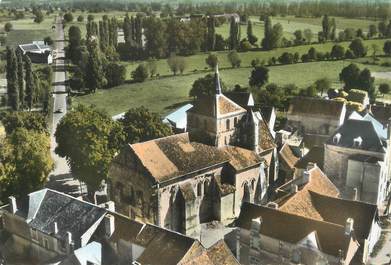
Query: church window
point(235, 121)
point(253, 184)
point(228, 124)
point(205, 187)
point(199, 189)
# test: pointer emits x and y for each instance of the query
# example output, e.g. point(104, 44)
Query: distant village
point(225, 189)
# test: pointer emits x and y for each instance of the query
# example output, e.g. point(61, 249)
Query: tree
point(74, 49)
point(367, 83)
point(38, 16)
point(94, 78)
point(25, 162)
point(155, 36)
point(384, 88)
point(88, 139)
point(204, 86)
point(372, 31)
point(272, 95)
point(220, 43)
point(211, 34)
point(259, 76)
point(375, 50)
point(359, 33)
point(387, 48)
point(140, 74)
point(234, 59)
point(266, 42)
point(8, 27)
point(48, 40)
point(358, 48)
point(80, 18)
point(382, 28)
point(12, 80)
point(286, 58)
point(31, 121)
point(298, 37)
point(234, 35)
point(30, 83)
point(250, 35)
point(176, 64)
point(141, 125)
point(326, 26)
point(308, 35)
point(115, 74)
point(349, 75)
point(323, 84)
point(68, 17)
point(212, 60)
point(20, 77)
point(337, 52)
point(152, 67)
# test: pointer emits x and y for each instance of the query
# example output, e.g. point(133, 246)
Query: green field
point(159, 95)
point(25, 30)
point(197, 62)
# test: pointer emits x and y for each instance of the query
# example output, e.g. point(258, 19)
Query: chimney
point(349, 226)
point(306, 177)
point(110, 206)
point(294, 188)
point(272, 205)
point(109, 225)
point(12, 204)
point(69, 242)
point(355, 194)
point(55, 228)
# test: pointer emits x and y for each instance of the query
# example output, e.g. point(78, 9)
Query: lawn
point(164, 94)
point(197, 62)
point(25, 30)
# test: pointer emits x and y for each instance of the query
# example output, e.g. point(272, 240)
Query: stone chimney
point(110, 206)
point(109, 222)
point(55, 228)
point(349, 226)
point(311, 165)
point(12, 204)
point(69, 242)
point(306, 177)
point(272, 205)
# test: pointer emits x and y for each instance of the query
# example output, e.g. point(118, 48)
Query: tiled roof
point(293, 228)
point(351, 129)
point(301, 203)
point(220, 254)
point(215, 106)
point(314, 155)
point(240, 158)
point(244, 99)
point(315, 106)
point(287, 156)
point(266, 140)
point(175, 155)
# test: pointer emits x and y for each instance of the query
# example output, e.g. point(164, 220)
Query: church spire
point(217, 80)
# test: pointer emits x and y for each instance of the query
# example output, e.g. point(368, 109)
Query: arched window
point(206, 184)
point(235, 121)
point(228, 124)
point(199, 189)
point(253, 184)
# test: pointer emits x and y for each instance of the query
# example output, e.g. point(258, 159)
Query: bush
point(234, 59)
point(80, 18)
point(384, 88)
point(8, 27)
point(68, 17)
point(286, 58)
point(212, 60)
point(140, 74)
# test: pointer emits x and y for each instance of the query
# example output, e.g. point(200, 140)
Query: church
point(226, 157)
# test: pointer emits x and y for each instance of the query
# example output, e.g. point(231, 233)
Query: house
point(177, 184)
point(177, 119)
point(315, 118)
point(357, 159)
point(47, 224)
point(38, 52)
point(315, 156)
point(307, 210)
point(49, 227)
point(235, 16)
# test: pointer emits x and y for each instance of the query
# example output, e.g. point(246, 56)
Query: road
point(60, 178)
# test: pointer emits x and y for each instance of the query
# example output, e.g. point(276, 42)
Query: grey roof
point(244, 99)
point(351, 129)
point(45, 207)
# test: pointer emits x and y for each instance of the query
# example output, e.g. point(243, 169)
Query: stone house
point(48, 224)
point(38, 52)
point(178, 184)
point(307, 210)
point(315, 118)
point(357, 159)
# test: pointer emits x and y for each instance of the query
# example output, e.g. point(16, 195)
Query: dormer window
point(357, 142)
point(337, 138)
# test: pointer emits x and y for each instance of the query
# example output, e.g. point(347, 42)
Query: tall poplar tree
point(12, 81)
point(211, 34)
point(30, 83)
point(20, 77)
point(234, 34)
